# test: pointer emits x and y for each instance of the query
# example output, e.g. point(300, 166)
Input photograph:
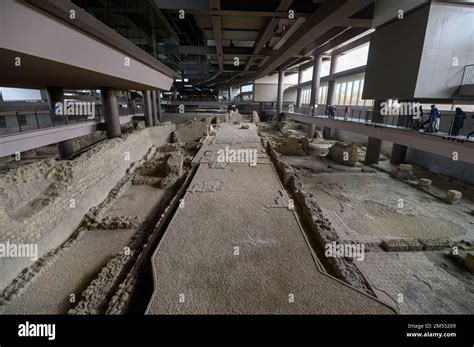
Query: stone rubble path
point(224, 253)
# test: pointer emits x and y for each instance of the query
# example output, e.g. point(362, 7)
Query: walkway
point(432, 143)
point(235, 247)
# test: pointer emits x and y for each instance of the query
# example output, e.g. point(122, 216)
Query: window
point(3, 122)
point(307, 75)
point(357, 57)
point(306, 96)
point(343, 94)
point(355, 93)
point(337, 94)
point(247, 88)
point(360, 101)
point(348, 93)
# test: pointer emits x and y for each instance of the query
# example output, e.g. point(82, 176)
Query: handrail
point(468, 75)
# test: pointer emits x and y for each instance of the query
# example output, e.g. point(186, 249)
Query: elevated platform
point(24, 141)
point(433, 143)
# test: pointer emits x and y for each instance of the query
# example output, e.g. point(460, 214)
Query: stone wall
point(44, 202)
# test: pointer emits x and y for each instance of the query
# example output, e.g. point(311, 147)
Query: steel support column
point(299, 91)
point(281, 77)
point(111, 113)
point(315, 83)
point(158, 106)
point(374, 146)
point(154, 107)
point(55, 94)
point(147, 108)
point(331, 92)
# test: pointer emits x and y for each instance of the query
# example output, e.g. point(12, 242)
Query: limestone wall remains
point(45, 201)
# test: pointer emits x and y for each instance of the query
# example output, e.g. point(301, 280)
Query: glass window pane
point(361, 101)
point(338, 93)
point(355, 92)
point(347, 101)
point(343, 94)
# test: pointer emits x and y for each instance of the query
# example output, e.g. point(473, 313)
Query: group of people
point(331, 111)
point(431, 125)
point(417, 121)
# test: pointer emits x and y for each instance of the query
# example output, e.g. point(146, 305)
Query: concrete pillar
point(110, 106)
point(299, 91)
point(54, 95)
point(331, 92)
point(147, 108)
point(374, 146)
point(326, 133)
point(154, 108)
point(65, 149)
point(158, 106)
point(281, 76)
point(315, 83)
point(399, 153)
point(43, 92)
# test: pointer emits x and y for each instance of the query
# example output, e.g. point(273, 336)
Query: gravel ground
point(368, 205)
point(197, 270)
point(71, 273)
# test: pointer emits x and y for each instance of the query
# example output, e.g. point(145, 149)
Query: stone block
point(453, 196)
point(405, 167)
point(255, 117)
point(318, 135)
point(469, 262)
point(343, 153)
point(368, 169)
point(424, 182)
point(402, 245)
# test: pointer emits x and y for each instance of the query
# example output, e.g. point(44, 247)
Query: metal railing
point(468, 75)
point(449, 126)
point(21, 121)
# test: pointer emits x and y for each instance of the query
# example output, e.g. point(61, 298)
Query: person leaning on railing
point(458, 122)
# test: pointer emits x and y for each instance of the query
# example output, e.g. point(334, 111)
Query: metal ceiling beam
point(351, 45)
point(211, 50)
point(289, 33)
point(245, 13)
point(321, 49)
point(316, 25)
point(267, 33)
point(209, 67)
point(215, 5)
point(343, 36)
point(357, 23)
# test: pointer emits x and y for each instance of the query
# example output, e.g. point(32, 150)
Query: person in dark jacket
point(458, 122)
point(434, 119)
